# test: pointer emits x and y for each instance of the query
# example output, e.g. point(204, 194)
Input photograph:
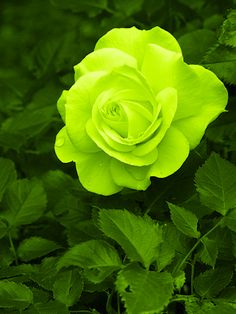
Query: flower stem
point(195, 246)
point(12, 247)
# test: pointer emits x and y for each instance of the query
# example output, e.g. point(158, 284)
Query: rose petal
point(95, 175)
point(103, 60)
point(125, 157)
point(79, 110)
point(61, 104)
point(211, 100)
point(130, 176)
point(134, 41)
point(172, 152)
point(167, 98)
point(64, 149)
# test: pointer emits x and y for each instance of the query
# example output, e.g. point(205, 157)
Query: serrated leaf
point(68, 287)
point(165, 255)
point(7, 174)
point(35, 247)
point(193, 306)
point(50, 307)
point(24, 202)
point(98, 258)
point(45, 273)
point(211, 282)
point(216, 184)
point(228, 31)
point(230, 220)
point(14, 295)
point(222, 61)
point(209, 252)
point(3, 229)
point(142, 290)
point(138, 236)
point(179, 279)
point(184, 220)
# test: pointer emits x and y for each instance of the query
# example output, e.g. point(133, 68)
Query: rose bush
point(135, 110)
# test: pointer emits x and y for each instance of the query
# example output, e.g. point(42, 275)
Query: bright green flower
point(135, 110)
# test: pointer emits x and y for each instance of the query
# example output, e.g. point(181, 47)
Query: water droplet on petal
point(60, 141)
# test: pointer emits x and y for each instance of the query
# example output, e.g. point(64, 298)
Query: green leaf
point(35, 247)
point(3, 229)
point(93, 7)
point(194, 53)
point(7, 174)
point(228, 32)
point(165, 254)
point(45, 273)
point(14, 295)
point(51, 307)
point(184, 220)
point(230, 220)
point(97, 257)
point(24, 202)
point(222, 61)
point(211, 282)
point(138, 236)
point(209, 252)
point(216, 184)
point(179, 279)
point(144, 291)
point(68, 287)
point(28, 123)
point(193, 306)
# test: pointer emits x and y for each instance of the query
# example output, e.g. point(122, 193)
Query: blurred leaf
point(29, 123)
point(138, 236)
point(7, 174)
point(144, 291)
point(216, 184)
point(92, 7)
point(35, 247)
point(24, 202)
point(211, 282)
point(194, 53)
point(68, 287)
point(128, 8)
point(14, 295)
point(97, 257)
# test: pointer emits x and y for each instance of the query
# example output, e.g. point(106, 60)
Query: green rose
point(135, 110)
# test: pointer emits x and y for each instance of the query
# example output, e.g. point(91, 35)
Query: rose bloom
point(135, 110)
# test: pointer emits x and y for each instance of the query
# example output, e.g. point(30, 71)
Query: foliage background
point(44, 210)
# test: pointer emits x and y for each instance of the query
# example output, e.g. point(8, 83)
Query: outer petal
point(172, 152)
point(104, 60)
point(201, 95)
point(213, 98)
point(133, 41)
point(64, 149)
point(130, 176)
point(61, 104)
point(79, 110)
point(95, 175)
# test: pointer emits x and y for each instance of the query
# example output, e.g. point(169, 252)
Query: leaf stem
point(12, 247)
point(195, 246)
